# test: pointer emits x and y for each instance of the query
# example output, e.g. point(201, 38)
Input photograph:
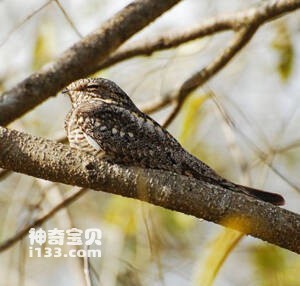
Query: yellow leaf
point(123, 213)
point(207, 271)
point(44, 44)
point(191, 117)
point(275, 266)
point(283, 45)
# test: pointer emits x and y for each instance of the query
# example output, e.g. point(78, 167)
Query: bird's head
point(96, 89)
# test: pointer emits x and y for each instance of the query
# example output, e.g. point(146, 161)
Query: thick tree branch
point(45, 159)
point(81, 59)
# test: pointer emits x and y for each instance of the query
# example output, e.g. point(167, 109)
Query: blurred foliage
point(163, 228)
point(275, 266)
point(122, 212)
point(133, 216)
point(193, 113)
point(193, 47)
point(218, 251)
point(283, 45)
point(191, 116)
point(227, 239)
point(44, 47)
point(1, 85)
point(175, 222)
point(129, 277)
point(291, 157)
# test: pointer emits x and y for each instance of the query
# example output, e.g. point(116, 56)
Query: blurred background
point(244, 123)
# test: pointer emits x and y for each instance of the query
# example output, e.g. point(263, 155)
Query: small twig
point(245, 24)
point(240, 39)
point(217, 24)
point(86, 268)
point(230, 136)
point(23, 21)
point(147, 48)
point(261, 155)
point(68, 19)
point(21, 234)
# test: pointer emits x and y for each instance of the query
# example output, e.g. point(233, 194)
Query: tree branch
point(246, 25)
point(208, 27)
point(81, 59)
point(56, 162)
point(240, 39)
point(221, 23)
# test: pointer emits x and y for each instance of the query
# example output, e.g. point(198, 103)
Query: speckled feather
point(104, 121)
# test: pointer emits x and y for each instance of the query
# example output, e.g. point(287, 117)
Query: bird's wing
point(132, 138)
point(129, 137)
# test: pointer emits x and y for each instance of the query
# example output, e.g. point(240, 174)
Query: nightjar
point(105, 122)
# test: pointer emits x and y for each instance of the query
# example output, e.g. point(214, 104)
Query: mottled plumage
point(104, 121)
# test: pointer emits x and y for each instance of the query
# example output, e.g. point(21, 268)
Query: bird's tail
point(201, 171)
point(269, 197)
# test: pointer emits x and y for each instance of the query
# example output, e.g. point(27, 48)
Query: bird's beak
point(64, 91)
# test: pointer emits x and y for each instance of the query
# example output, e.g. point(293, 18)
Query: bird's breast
point(79, 139)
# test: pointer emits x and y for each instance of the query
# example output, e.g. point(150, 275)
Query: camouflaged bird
point(105, 122)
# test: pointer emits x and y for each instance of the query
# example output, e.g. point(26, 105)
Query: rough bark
point(56, 162)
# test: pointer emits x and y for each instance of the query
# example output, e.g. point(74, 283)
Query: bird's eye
point(92, 86)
